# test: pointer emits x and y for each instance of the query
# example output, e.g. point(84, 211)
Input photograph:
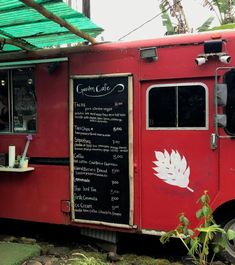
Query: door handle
point(214, 141)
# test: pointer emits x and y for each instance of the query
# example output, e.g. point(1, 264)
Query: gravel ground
point(87, 254)
point(76, 254)
point(63, 245)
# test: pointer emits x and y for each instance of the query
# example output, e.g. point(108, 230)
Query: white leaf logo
point(172, 169)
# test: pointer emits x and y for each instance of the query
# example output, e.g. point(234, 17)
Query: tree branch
point(43, 11)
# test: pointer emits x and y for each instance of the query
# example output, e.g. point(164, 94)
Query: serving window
point(17, 100)
point(177, 106)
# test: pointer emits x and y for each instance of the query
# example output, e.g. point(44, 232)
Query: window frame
point(178, 85)
point(11, 100)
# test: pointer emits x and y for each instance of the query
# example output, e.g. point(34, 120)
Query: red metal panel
point(36, 195)
point(226, 171)
point(178, 61)
point(53, 126)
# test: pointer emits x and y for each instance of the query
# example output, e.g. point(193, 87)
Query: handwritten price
point(117, 129)
point(115, 157)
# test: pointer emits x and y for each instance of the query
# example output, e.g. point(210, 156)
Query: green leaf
point(166, 21)
point(206, 250)
point(187, 240)
point(166, 237)
point(216, 249)
point(206, 210)
point(230, 234)
point(190, 232)
point(221, 242)
point(186, 221)
point(181, 218)
point(194, 246)
point(206, 25)
point(204, 198)
point(199, 214)
point(211, 229)
point(225, 26)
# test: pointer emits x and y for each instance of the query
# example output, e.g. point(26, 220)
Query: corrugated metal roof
point(25, 25)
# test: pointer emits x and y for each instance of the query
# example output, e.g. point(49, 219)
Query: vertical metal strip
point(215, 97)
point(71, 109)
point(177, 106)
point(11, 103)
point(130, 147)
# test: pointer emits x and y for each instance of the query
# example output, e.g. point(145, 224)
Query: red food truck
point(120, 136)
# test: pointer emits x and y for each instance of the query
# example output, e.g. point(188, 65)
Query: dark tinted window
point(191, 106)
point(162, 107)
point(4, 102)
point(17, 100)
point(230, 107)
point(177, 106)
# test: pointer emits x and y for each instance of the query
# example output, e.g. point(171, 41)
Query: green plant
point(17, 161)
point(198, 240)
point(81, 259)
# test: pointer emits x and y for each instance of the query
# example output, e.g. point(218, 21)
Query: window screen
point(181, 106)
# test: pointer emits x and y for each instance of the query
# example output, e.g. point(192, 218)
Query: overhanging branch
point(16, 43)
point(43, 11)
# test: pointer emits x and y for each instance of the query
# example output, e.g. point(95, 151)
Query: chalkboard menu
point(101, 188)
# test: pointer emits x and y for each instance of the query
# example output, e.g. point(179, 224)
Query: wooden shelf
point(8, 169)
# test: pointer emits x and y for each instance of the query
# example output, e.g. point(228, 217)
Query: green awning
point(24, 25)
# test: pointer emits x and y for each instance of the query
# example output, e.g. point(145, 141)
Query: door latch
point(214, 141)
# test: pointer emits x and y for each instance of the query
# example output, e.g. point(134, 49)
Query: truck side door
point(177, 161)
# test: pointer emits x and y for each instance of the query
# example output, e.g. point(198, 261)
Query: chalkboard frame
point(130, 148)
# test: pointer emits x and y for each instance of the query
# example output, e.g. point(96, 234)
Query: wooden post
point(86, 8)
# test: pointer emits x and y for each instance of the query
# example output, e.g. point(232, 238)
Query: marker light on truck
point(200, 60)
point(225, 58)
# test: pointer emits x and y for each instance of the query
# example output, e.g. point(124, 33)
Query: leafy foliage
point(98, 258)
point(206, 25)
point(81, 259)
point(166, 21)
point(172, 10)
point(198, 245)
point(223, 9)
point(226, 26)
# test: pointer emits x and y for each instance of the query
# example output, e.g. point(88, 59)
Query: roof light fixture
point(213, 48)
point(149, 54)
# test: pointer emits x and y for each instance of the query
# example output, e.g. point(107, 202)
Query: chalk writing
point(100, 147)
